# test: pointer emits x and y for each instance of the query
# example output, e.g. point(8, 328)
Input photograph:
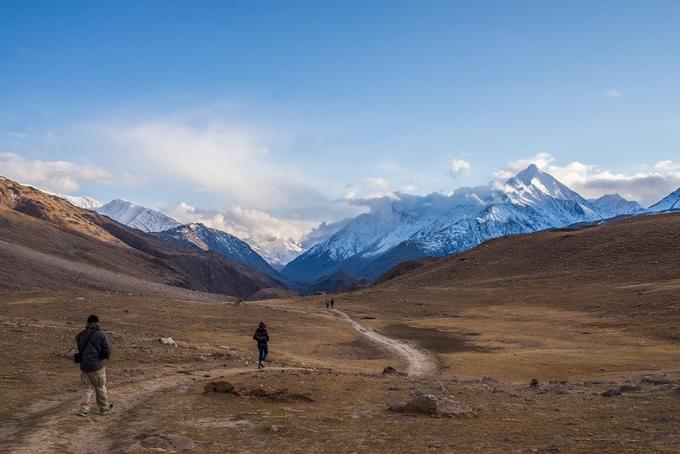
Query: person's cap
point(92, 319)
point(262, 325)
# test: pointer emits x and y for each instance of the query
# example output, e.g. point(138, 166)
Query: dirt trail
point(420, 362)
point(89, 434)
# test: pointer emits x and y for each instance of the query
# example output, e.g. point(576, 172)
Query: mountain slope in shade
point(612, 205)
point(138, 217)
point(668, 203)
point(46, 243)
point(222, 243)
point(437, 225)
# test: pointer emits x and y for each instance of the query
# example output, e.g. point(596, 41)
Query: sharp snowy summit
point(136, 216)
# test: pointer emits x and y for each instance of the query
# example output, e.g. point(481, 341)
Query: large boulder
point(431, 405)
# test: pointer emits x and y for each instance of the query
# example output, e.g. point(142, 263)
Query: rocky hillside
point(47, 243)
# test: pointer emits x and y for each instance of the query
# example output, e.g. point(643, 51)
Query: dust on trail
point(420, 362)
point(90, 434)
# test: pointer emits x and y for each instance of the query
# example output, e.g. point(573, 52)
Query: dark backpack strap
point(87, 342)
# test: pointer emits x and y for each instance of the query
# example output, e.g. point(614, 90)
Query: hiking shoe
point(82, 413)
point(106, 410)
point(260, 365)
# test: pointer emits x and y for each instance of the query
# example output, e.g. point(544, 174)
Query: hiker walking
point(328, 304)
point(332, 303)
point(262, 338)
point(94, 348)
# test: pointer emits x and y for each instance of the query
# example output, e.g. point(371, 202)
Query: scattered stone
point(168, 341)
point(534, 383)
point(489, 381)
point(389, 370)
point(431, 405)
point(556, 388)
point(611, 393)
point(628, 388)
point(656, 379)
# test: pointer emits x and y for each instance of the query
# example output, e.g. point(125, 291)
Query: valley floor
point(480, 346)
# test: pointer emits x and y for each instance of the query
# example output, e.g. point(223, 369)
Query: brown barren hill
point(634, 250)
point(48, 244)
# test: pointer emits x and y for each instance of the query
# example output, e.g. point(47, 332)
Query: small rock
point(611, 393)
point(168, 341)
point(431, 405)
point(534, 383)
point(389, 370)
point(628, 388)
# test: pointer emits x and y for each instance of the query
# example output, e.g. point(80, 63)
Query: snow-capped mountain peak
point(612, 205)
point(533, 184)
point(668, 203)
point(137, 216)
point(413, 227)
point(85, 202)
point(220, 242)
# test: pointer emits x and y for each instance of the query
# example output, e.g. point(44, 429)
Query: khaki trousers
point(93, 382)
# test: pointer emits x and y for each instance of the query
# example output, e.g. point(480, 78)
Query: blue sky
point(291, 109)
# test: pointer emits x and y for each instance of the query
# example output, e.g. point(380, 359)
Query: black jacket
point(96, 351)
point(261, 336)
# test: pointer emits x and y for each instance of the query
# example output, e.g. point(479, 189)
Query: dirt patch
point(359, 348)
point(436, 340)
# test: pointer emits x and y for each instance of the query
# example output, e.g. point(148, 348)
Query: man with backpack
point(262, 338)
point(94, 348)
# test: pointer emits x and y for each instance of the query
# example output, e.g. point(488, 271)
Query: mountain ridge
point(436, 225)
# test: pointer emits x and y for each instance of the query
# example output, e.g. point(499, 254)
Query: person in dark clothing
point(332, 303)
point(262, 338)
point(94, 348)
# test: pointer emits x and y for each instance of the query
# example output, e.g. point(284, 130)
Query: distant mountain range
point(413, 227)
point(397, 230)
point(47, 243)
point(222, 243)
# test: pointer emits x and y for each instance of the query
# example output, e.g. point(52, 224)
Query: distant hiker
point(94, 348)
point(262, 338)
point(328, 304)
point(332, 303)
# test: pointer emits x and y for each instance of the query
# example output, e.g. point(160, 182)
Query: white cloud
point(56, 176)
point(613, 93)
point(667, 166)
point(232, 161)
point(647, 185)
point(459, 166)
point(15, 134)
point(278, 240)
point(369, 189)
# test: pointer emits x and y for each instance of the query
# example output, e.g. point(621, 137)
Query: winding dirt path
point(420, 362)
point(46, 423)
